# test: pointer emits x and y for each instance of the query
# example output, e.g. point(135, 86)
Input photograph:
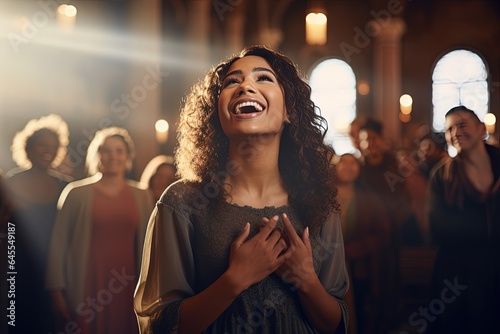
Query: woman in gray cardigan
point(97, 241)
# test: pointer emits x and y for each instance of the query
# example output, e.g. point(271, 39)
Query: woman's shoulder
point(182, 190)
point(82, 184)
point(62, 178)
point(186, 198)
point(77, 189)
point(137, 187)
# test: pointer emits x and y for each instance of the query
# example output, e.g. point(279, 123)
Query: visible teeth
point(256, 105)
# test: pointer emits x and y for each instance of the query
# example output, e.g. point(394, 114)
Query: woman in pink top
point(97, 241)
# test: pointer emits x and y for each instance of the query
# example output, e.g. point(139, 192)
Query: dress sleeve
point(55, 277)
point(333, 272)
point(167, 271)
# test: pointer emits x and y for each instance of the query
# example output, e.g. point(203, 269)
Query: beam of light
point(82, 71)
point(98, 42)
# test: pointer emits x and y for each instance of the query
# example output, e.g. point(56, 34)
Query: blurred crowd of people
point(394, 198)
point(382, 192)
point(78, 243)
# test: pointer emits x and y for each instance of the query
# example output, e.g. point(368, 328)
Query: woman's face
point(347, 169)
point(251, 101)
point(113, 156)
point(164, 176)
point(43, 150)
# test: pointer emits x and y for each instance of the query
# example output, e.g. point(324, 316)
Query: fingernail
point(284, 215)
point(276, 217)
point(307, 231)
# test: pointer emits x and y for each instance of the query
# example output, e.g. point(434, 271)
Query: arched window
point(459, 78)
point(333, 87)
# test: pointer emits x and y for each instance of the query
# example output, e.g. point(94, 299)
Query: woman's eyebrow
point(260, 69)
point(255, 69)
point(239, 72)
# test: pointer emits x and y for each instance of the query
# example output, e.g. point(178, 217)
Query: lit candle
point(490, 122)
point(161, 127)
point(66, 17)
point(316, 28)
point(405, 104)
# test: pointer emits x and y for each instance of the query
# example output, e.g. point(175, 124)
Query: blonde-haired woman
point(97, 240)
point(33, 189)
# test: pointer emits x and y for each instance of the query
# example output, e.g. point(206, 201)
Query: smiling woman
point(249, 240)
point(33, 190)
point(251, 100)
point(97, 238)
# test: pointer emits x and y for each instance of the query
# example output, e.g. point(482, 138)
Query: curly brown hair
point(203, 147)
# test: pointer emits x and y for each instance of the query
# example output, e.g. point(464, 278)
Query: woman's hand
point(298, 269)
point(252, 260)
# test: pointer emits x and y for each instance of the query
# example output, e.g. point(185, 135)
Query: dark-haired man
point(464, 217)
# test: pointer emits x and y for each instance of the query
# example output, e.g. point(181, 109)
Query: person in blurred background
point(33, 190)
point(97, 241)
point(366, 230)
point(464, 218)
point(158, 174)
point(414, 230)
point(431, 150)
point(354, 128)
point(379, 174)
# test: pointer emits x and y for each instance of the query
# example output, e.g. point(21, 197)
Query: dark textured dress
point(187, 248)
point(33, 223)
point(33, 227)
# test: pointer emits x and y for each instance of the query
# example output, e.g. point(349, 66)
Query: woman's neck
point(112, 180)
point(38, 171)
point(257, 179)
point(345, 187)
point(111, 184)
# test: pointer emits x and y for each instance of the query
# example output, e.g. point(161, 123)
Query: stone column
point(235, 29)
point(387, 75)
point(267, 34)
point(197, 50)
point(144, 93)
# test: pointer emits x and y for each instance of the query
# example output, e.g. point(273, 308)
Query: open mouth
point(248, 107)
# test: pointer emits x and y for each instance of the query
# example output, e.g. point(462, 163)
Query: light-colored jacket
point(70, 242)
